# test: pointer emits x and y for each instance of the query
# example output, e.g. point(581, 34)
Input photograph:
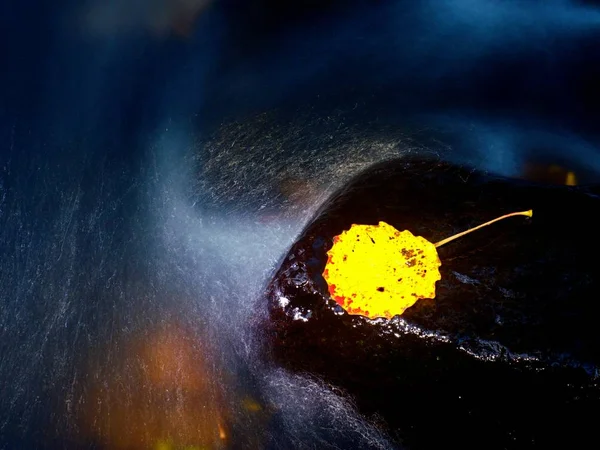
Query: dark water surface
point(157, 159)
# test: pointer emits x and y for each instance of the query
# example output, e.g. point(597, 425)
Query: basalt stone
point(506, 356)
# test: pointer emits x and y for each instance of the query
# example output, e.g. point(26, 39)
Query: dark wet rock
point(506, 356)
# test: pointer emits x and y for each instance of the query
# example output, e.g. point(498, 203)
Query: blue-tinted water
point(153, 172)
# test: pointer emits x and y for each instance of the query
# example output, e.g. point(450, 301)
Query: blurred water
point(153, 173)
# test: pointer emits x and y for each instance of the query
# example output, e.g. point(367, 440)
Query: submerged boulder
point(505, 356)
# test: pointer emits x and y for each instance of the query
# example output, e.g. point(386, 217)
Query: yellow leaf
point(250, 404)
point(571, 179)
point(163, 445)
point(378, 271)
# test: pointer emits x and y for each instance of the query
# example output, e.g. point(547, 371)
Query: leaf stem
point(528, 213)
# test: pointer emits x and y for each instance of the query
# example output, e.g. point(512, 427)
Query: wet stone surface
point(505, 356)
